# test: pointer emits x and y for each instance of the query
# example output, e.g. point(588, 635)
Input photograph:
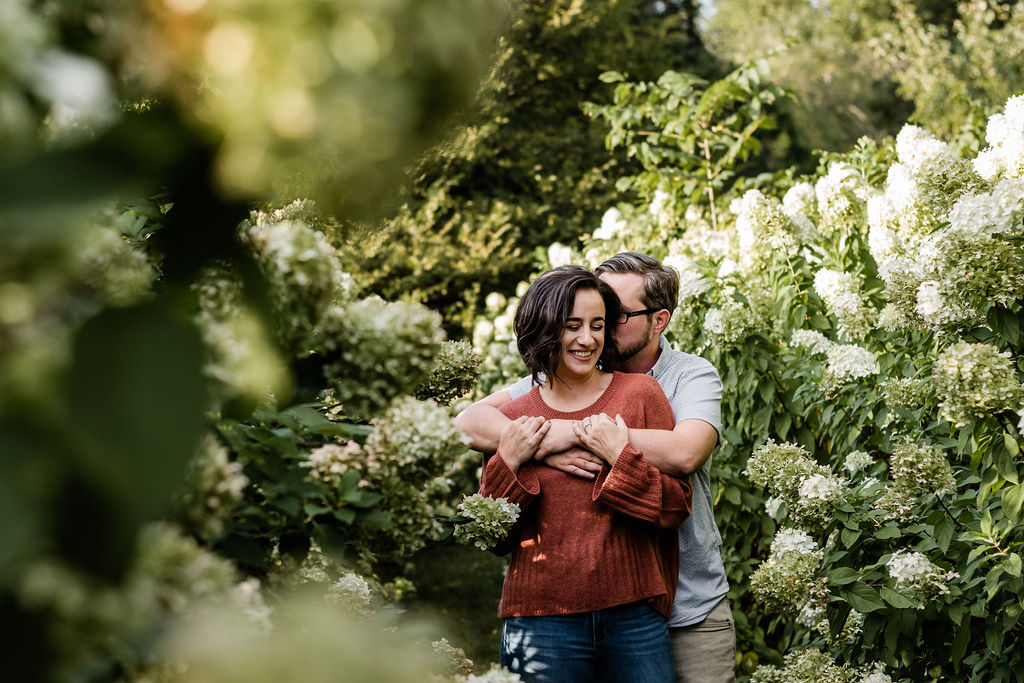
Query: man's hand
point(603, 436)
point(577, 462)
point(520, 439)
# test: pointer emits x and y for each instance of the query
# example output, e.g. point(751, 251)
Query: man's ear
point(661, 320)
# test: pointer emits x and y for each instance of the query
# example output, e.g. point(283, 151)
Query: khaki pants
point(705, 652)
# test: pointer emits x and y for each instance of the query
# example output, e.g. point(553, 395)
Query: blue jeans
point(623, 644)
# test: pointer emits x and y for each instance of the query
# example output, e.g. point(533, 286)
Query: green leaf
point(888, 531)
point(313, 509)
point(863, 597)
point(849, 536)
point(137, 394)
point(840, 576)
point(960, 641)
point(376, 518)
point(895, 599)
point(345, 515)
point(944, 533)
point(611, 77)
point(1013, 502)
point(1012, 564)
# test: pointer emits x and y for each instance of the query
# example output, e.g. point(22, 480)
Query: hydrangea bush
point(867, 324)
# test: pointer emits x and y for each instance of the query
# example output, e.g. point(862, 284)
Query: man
point(701, 624)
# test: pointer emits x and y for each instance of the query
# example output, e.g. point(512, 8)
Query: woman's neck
point(575, 393)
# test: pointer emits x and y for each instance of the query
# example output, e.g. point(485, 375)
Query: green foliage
point(131, 330)
point(527, 167)
point(823, 53)
point(689, 136)
point(955, 72)
point(851, 342)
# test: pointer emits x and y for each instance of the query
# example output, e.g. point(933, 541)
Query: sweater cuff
point(628, 483)
point(501, 482)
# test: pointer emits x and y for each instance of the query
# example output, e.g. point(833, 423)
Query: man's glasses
point(624, 316)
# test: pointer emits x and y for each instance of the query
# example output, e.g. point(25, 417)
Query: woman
point(594, 562)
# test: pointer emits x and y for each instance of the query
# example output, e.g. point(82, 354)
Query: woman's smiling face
point(583, 335)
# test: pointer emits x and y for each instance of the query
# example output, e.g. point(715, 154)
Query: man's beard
point(629, 352)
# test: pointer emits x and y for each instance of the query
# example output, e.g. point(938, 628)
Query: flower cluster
point(841, 294)
point(801, 205)
point(304, 278)
point(810, 491)
point(692, 282)
point(857, 461)
point(813, 341)
point(329, 463)
point(788, 580)
point(455, 661)
point(920, 469)
point(1004, 134)
point(495, 674)
point(375, 351)
point(762, 221)
point(847, 362)
point(905, 392)
point(915, 574)
point(455, 372)
point(945, 225)
point(107, 263)
point(814, 666)
point(730, 324)
point(352, 592)
point(488, 520)
point(839, 194)
point(411, 447)
point(241, 359)
point(974, 381)
point(213, 486)
point(412, 438)
point(612, 224)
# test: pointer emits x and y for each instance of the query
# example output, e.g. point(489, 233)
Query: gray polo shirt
point(694, 390)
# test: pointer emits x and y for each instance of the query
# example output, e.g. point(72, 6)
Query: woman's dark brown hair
point(544, 310)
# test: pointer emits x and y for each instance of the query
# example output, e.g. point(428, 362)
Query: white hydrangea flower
point(793, 541)
point(857, 460)
point(352, 591)
point(559, 255)
point(772, 505)
point(819, 487)
point(847, 362)
point(837, 193)
point(1005, 136)
point(727, 267)
point(841, 294)
point(691, 282)
point(810, 615)
point(799, 200)
point(612, 224)
point(495, 301)
point(922, 152)
point(659, 207)
point(929, 300)
point(876, 677)
point(906, 567)
point(974, 381)
point(330, 462)
point(811, 340)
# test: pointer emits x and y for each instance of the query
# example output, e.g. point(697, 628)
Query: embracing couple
point(616, 571)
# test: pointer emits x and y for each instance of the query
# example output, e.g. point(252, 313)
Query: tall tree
point(527, 167)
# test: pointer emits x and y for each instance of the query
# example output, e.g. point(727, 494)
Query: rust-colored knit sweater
point(582, 545)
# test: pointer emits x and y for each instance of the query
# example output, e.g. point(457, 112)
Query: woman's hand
point(603, 436)
point(520, 439)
